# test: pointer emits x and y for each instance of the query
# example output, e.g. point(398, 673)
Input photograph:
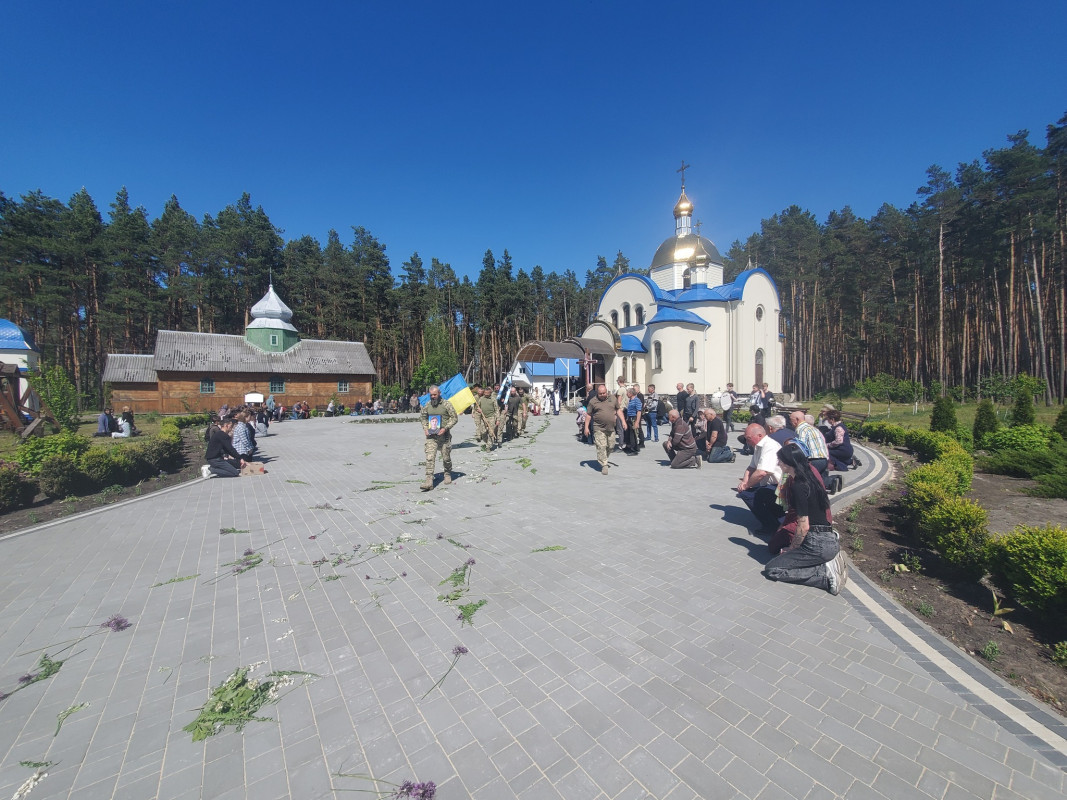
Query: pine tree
point(943, 418)
point(985, 421)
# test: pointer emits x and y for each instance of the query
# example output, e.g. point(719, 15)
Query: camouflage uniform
point(442, 441)
point(486, 419)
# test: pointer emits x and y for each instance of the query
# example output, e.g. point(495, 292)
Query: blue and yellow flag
point(455, 391)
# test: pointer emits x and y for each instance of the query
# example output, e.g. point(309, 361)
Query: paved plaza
point(648, 659)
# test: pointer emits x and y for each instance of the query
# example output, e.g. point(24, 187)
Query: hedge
point(16, 487)
point(1031, 565)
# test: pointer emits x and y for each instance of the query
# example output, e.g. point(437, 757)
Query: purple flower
point(459, 650)
point(313, 536)
point(416, 791)
point(366, 577)
point(27, 678)
point(116, 623)
point(4, 695)
point(403, 574)
point(440, 536)
point(249, 552)
point(466, 547)
point(470, 562)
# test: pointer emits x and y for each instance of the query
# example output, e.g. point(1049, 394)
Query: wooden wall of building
point(140, 397)
point(178, 394)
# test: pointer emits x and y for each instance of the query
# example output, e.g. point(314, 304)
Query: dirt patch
point(960, 610)
point(45, 509)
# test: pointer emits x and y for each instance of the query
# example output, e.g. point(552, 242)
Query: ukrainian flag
point(456, 391)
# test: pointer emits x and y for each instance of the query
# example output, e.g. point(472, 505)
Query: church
point(201, 371)
point(679, 324)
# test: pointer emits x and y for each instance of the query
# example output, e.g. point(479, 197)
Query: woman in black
point(222, 459)
point(814, 558)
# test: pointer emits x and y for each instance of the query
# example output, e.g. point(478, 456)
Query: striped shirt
point(811, 441)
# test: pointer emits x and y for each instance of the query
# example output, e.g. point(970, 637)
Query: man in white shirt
point(757, 486)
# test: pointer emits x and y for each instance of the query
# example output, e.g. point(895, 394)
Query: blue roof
point(665, 314)
point(657, 293)
point(12, 337)
point(701, 293)
point(631, 344)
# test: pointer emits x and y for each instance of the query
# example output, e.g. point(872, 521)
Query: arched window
point(657, 356)
point(759, 313)
point(759, 368)
point(639, 312)
point(633, 368)
point(626, 315)
point(615, 318)
point(692, 356)
point(622, 367)
point(687, 279)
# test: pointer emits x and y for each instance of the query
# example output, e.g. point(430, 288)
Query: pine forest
point(957, 293)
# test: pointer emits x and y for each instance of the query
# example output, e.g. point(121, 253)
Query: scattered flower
point(470, 562)
point(116, 623)
point(28, 678)
point(402, 575)
point(249, 552)
point(313, 536)
point(457, 651)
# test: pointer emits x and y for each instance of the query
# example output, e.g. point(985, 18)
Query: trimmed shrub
point(1031, 565)
point(125, 463)
point(99, 468)
point(929, 446)
point(928, 486)
point(16, 488)
point(1031, 438)
point(1022, 412)
point(32, 453)
point(956, 528)
point(962, 465)
point(943, 417)
point(188, 420)
point(985, 421)
point(59, 476)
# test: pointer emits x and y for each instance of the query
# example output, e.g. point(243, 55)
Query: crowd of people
point(784, 485)
point(231, 441)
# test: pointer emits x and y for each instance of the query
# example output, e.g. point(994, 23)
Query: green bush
point(956, 528)
point(943, 417)
point(99, 468)
point(1060, 425)
point(16, 488)
point(927, 486)
point(1022, 412)
point(188, 420)
point(156, 455)
point(32, 452)
point(1031, 438)
point(962, 465)
point(885, 432)
point(963, 435)
point(1051, 484)
point(929, 446)
point(59, 476)
point(985, 421)
point(1031, 564)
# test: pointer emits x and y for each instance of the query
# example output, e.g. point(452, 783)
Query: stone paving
point(648, 659)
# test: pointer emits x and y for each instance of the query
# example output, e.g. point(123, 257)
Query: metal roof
point(179, 351)
point(678, 315)
point(632, 344)
point(126, 368)
point(691, 245)
point(12, 337)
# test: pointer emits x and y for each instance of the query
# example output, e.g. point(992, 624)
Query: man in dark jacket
point(681, 447)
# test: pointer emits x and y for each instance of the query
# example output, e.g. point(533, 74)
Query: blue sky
point(551, 129)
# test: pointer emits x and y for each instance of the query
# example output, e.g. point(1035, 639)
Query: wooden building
point(202, 371)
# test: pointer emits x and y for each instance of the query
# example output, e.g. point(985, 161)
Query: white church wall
point(633, 292)
point(756, 324)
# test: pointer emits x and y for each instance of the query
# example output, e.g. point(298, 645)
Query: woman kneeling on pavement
point(814, 557)
point(222, 459)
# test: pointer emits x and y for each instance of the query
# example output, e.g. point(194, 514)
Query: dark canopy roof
point(574, 347)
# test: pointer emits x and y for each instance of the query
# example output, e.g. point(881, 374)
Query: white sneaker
point(842, 570)
point(205, 471)
point(833, 575)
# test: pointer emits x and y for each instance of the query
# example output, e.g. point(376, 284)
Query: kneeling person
point(681, 447)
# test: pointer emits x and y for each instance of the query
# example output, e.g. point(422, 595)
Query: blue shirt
point(633, 407)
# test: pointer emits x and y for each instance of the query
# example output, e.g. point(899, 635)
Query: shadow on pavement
point(757, 550)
